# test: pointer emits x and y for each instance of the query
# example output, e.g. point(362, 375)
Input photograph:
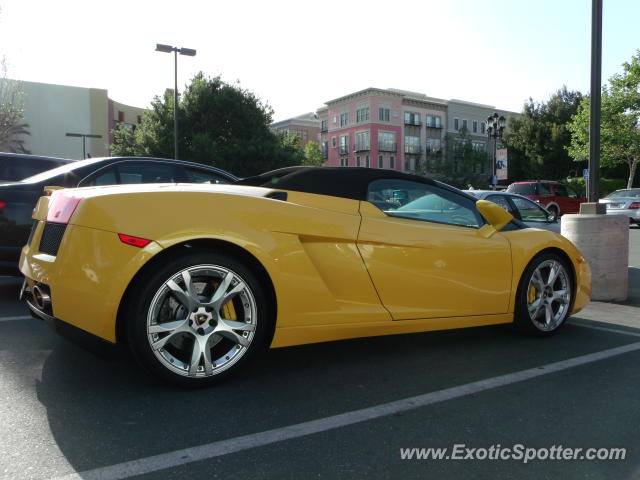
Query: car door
point(425, 255)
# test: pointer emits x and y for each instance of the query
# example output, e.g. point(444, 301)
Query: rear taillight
point(133, 241)
point(634, 206)
point(62, 206)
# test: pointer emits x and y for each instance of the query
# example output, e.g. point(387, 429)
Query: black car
point(18, 199)
point(17, 166)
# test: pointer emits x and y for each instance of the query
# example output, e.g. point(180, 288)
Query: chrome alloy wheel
point(201, 320)
point(549, 295)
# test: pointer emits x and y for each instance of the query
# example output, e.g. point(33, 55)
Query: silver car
point(624, 202)
point(528, 211)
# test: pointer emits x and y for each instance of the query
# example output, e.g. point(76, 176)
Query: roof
point(345, 182)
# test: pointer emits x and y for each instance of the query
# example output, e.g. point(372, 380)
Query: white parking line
point(605, 329)
point(11, 319)
point(233, 445)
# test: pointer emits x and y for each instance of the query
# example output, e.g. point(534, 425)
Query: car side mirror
point(497, 217)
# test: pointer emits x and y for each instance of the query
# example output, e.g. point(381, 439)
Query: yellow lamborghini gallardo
point(197, 279)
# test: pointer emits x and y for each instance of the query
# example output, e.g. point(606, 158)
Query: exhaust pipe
point(41, 297)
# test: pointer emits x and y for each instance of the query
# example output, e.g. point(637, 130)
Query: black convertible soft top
point(345, 182)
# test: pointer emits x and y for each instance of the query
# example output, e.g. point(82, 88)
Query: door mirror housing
point(497, 216)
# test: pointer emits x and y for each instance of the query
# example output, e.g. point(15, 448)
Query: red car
point(556, 197)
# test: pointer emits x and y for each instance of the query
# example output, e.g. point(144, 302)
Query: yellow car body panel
point(333, 270)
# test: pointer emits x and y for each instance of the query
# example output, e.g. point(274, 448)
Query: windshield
point(54, 172)
point(522, 188)
point(634, 193)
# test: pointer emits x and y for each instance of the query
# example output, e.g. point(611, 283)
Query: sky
point(297, 55)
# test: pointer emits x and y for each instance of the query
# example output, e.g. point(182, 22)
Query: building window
point(456, 124)
point(481, 127)
point(392, 162)
point(464, 125)
point(433, 145)
point(380, 161)
point(411, 144)
point(357, 161)
point(344, 144)
point(387, 142)
point(362, 114)
point(362, 141)
point(433, 121)
point(344, 119)
point(367, 163)
point(383, 114)
point(411, 118)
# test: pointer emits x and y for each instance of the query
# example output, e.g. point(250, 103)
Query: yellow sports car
point(197, 279)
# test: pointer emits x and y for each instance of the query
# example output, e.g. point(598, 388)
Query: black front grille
point(51, 237)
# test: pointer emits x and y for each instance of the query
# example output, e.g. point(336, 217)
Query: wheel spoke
point(196, 356)
point(184, 297)
point(553, 273)
point(548, 314)
point(227, 329)
point(560, 296)
point(534, 308)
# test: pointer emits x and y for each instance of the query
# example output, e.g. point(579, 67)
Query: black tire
point(200, 329)
point(553, 209)
point(529, 292)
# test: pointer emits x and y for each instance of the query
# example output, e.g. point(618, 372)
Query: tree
point(537, 139)
point(619, 125)
point(313, 155)
point(12, 126)
point(219, 124)
point(462, 164)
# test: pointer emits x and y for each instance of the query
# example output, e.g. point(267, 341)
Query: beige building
point(52, 111)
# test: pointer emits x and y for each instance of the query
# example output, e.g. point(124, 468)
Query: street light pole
point(495, 128)
point(182, 51)
point(84, 138)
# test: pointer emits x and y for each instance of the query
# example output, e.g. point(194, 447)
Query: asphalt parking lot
point(334, 410)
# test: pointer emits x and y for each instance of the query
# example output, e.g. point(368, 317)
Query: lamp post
point(84, 140)
point(182, 51)
point(495, 128)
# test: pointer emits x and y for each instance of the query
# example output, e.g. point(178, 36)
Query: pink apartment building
point(379, 128)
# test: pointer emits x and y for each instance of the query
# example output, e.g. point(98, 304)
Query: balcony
point(388, 147)
point(413, 149)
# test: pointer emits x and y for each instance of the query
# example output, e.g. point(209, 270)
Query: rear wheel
point(543, 299)
point(198, 319)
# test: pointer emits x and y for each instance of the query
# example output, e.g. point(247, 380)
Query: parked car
point(198, 279)
point(18, 199)
point(18, 166)
point(556, 197)
point(624, 202)
point(530, 212)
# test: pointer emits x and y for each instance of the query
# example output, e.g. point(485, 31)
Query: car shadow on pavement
point(106, 411)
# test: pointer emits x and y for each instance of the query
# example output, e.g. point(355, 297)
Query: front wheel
point(198, 319)
point(543, 299)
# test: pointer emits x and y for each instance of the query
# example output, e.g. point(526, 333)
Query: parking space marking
point(185, 456)
point(11, 319)
point(605, 329)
